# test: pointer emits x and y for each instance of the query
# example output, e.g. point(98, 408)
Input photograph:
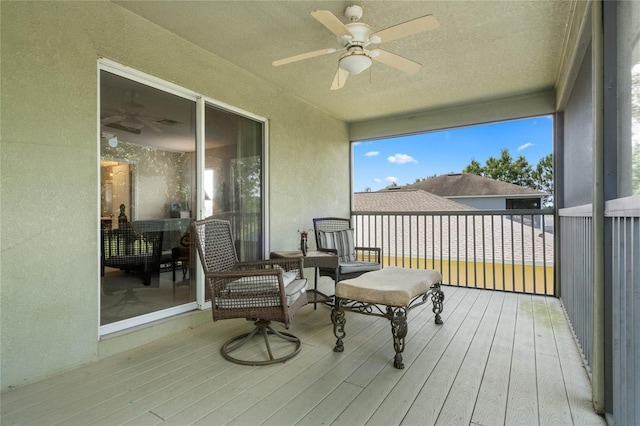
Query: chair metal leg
point(399, 332)
point(338, 319)
point(264, 328)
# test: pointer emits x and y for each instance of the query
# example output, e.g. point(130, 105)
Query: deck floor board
point(458, 409)
point(491, 400)
point(499, 358)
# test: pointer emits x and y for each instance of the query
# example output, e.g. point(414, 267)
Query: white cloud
point(371, 154)
point(391, 179)
point(525, 146)
point(377, 180)
point(401, 159)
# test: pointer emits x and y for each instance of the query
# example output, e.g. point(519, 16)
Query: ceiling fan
point(128, 118)
point(356, 39)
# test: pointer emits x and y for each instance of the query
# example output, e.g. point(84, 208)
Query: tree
point(543, 178)
point(505, 169)
point(474, 168)
point(635, 171)
point(248, 183)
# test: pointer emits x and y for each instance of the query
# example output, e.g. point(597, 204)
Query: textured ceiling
point(482, 50)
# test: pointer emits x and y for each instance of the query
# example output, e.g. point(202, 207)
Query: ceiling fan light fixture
point(111, 138)
point(355, 61)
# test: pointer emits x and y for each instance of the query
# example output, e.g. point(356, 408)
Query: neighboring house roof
point(403, 200)
point(493, 238)
point(469, 185)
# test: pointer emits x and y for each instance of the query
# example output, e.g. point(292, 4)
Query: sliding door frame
point(201, 102)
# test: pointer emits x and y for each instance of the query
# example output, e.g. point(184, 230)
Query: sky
point(376, 164)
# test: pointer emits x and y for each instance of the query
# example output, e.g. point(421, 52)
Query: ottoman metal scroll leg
point(437, 297)
point(399, 331)
point(338, 319)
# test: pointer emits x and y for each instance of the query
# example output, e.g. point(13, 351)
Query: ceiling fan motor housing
point(360, 33)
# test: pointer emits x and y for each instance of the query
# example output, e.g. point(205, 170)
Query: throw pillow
point(342, 242)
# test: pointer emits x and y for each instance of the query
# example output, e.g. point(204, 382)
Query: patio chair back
point(215, 245)
point(335, 234)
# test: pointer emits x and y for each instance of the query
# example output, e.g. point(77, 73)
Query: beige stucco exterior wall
point(49, 264)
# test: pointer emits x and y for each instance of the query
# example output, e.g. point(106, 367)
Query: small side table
point(314, 259)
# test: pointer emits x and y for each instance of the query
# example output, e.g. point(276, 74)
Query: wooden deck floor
point(499, 358)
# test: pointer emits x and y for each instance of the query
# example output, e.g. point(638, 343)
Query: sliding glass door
point(150, 145)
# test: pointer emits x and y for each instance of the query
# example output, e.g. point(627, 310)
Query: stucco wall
point(50, 175)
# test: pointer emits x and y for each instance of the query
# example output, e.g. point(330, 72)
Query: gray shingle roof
point(404, 200)
point(466, 184)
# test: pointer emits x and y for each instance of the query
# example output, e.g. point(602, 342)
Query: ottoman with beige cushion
point(390, 293)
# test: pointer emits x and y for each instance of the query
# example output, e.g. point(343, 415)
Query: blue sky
point(404, 159)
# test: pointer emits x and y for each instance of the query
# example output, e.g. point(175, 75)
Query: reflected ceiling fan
point(356, 39)
point(128, 118)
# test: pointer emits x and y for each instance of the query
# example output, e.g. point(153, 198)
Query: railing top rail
point(507, 212)
point(628, 206)
point(584, 210)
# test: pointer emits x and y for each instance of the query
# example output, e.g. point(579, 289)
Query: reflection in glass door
point(148, 191)
point(233, 177)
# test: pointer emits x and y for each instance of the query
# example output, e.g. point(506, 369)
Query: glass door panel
point(233, 177)
point(147, 179)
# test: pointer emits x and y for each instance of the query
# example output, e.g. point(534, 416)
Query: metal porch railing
point(509, 250)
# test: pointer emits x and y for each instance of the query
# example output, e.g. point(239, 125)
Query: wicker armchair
point(261, 291)
point(335, 235)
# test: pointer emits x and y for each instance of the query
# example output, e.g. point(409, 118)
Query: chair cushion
point(342, 241)
point(293, 289)
point(391, 286)
point(351, 267)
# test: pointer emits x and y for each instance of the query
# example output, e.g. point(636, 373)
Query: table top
point(313, 258)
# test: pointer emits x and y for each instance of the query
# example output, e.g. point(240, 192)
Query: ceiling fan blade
point(149, 123)
point(112, 119)
point(396, 61)
point(303, 56)
point(339, 79)
point(119, 126)
point(418, 25)
point(332, 23)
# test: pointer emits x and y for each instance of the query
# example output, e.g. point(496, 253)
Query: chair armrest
point(252, 271)
point(285, 263)
point(370, 250)
point(328, 250)
point(241, 273)
point(253, 283)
